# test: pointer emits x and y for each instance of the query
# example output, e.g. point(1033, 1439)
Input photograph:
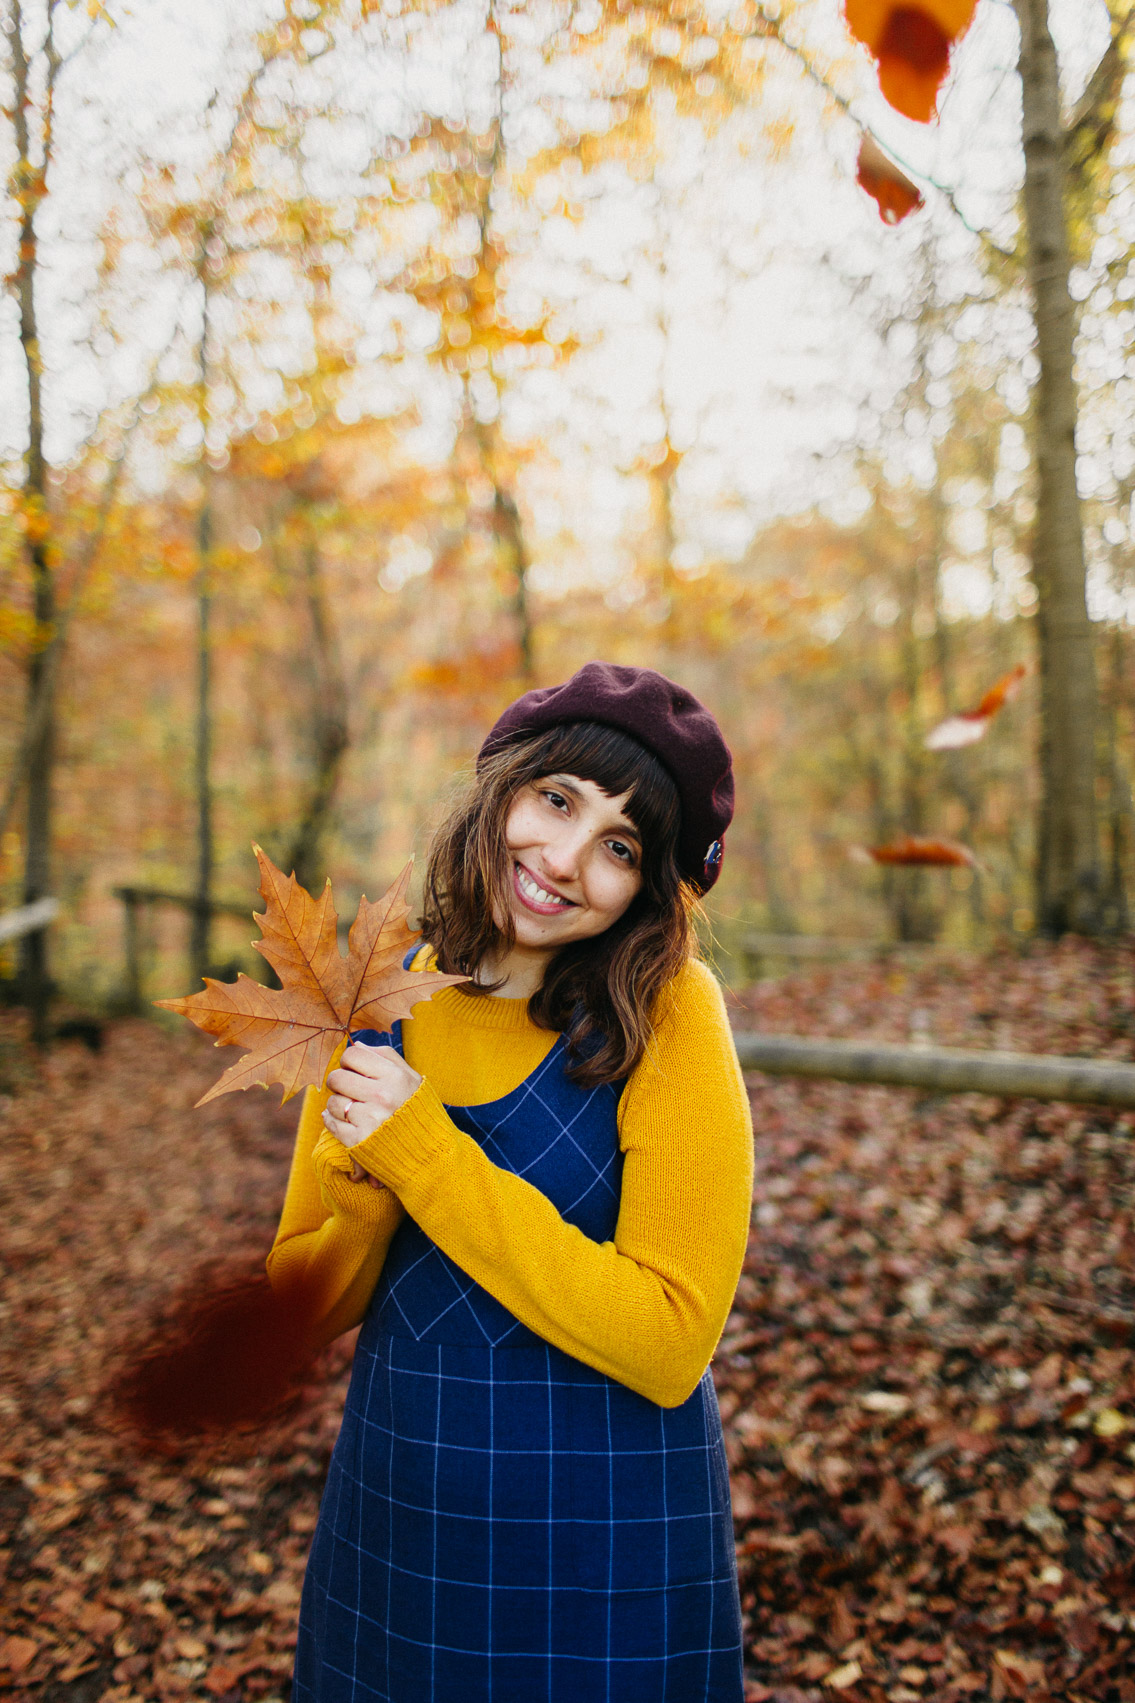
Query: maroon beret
point(665, 718)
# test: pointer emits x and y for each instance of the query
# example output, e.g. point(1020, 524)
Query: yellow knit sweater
point(647, 1307)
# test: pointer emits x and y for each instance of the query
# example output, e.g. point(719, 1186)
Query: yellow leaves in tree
point(292, 1032)
point(911, 45)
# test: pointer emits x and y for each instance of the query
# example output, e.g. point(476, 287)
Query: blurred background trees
point(392, 357)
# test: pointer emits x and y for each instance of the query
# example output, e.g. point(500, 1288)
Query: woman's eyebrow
point(623, 826)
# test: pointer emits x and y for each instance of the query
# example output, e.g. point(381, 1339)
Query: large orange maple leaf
point(292, 1032)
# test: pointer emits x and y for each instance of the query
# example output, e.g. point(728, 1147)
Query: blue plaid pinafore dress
point(501, 1523)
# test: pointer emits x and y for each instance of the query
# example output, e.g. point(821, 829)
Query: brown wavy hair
point(600, 993)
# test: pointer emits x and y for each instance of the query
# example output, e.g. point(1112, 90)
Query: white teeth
point(528, 886)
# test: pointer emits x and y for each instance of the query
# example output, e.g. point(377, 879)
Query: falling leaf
point(915, 849)
point(892, 191)
point(292, 1032)
point(911, 45)
point(1109, 1422)
point(1005, 689)
point(971, 725)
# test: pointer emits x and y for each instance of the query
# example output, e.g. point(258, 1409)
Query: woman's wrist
point(334, 1164)
point(411, 1138)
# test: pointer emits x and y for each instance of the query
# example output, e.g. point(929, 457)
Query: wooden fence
point(136, 905)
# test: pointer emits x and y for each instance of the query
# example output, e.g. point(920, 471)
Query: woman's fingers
point(387, 1081)
point(363, 1098)
point(361, 1120)
point(358, 1175)
point(373, 1061)
point(373, 1082)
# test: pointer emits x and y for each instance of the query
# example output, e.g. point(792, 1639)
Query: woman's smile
point(535, 896)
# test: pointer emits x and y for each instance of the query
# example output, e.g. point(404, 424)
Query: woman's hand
point(369, 1085)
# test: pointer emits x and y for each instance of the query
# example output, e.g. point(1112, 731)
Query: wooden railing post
point(132, 945)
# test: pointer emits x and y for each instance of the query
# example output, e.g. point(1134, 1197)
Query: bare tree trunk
point(918, 917)
point(509, 527)
point(957, 771)
point(329, 714)
point(663, 539)
point(781, 917)
point(1068, 874)
point(39, 761)
point(200, 937)
point(506, 516)
point(1117, 909)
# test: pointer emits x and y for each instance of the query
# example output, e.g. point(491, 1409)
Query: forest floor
point(928, 1381)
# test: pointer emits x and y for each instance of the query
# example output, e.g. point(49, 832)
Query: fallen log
point(942, 1070)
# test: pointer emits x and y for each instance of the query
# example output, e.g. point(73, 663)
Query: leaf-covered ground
point(928, 1380)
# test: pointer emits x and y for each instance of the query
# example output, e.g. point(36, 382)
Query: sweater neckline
point(484, 1011)
point(477, 1010)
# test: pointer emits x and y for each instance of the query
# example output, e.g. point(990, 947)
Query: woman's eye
point(556, 799)
point(624, 853)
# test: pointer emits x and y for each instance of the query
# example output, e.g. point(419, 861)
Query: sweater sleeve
point(333, 1234)
point(647, 1307)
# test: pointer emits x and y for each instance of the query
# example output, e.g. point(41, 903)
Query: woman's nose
point(562, 857)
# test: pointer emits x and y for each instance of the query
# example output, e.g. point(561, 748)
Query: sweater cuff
point(410, 1139)
point(357, 1202)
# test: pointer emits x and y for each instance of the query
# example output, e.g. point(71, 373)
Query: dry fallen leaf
point(292, 1031)
point(911, 44)
point(970, 726)
point(842, 1677)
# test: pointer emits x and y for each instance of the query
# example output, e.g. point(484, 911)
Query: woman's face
point(575, 862)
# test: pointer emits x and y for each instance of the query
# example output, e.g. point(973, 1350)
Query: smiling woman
point(529, 1496)
point(575, 870)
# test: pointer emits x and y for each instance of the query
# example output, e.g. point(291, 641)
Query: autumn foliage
point(229, 1350)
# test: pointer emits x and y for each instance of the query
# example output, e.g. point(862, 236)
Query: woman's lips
point(555, 909)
